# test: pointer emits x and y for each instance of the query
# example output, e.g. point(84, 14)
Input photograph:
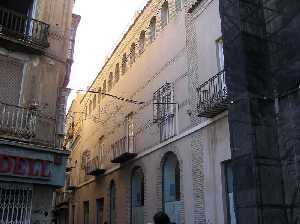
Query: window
point(117, 73)
point(112, 206)
point(99, 95)
point(15, 199)
point(171, 187)
point(90, 106)
point(85, 157)
point(100, 211)
point(178, 5)
point(110, 81)
point(137, 197)
point(130, 132)
point(94, 102)
point(164, 111)
point(104, 88)
point(152, 29)
point(85, 112)
point(132, 53)
point(229, 193)
point(124, 64)
point(220, 54)
point(164, 14)
point(86, 211)
point(142, 42)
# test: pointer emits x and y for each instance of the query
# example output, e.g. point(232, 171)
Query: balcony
point(94, 167)
point(70, 183)
point(19, 32)
point(62, 198)
point(212, 96)
point(17, 121)
point(123, 150)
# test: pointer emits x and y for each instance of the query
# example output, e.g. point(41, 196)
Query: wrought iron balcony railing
point(17, 121)
point(62, 197)
point(123, 150)
point(23, 29)
point(212, 96)
point(94, 167)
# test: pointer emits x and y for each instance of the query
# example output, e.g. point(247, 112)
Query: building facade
point(34, 44)
point(152, 133)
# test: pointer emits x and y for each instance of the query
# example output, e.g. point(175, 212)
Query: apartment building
point(35, 39)
point(151, 133)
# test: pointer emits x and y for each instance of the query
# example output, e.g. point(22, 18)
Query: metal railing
point(70, 182)
point(124, 147)
point(94, 166)
point(17, 121)
point(212, 96)
point(21, 27)
point(62, 197)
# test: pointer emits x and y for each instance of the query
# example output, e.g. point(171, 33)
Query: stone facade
point(184, 55)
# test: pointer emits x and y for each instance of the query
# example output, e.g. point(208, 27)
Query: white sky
point(103, 22)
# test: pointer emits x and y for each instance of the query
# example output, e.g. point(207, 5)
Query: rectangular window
point(220, 54)
point(130, 132)
point(86, 211)
point(164, 111)
point(94, 102)
point(100, 211)
point(15, 199)
point(229, 193)
point(90, 107)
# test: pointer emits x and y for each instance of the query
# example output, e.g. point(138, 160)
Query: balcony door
point(24, 7)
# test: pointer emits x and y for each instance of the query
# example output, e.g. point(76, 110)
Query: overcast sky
point(103, 22)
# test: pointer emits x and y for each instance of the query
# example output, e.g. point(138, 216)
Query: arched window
point(103, 88)
point(171, 187)
point(124, 63)
point(137, 197)
point(112, 203)
point(178, 5)
point(142, 42)
point(152, 29)
point(132, 53)
point(164, 14)
point(117, 73)
point(110, 81)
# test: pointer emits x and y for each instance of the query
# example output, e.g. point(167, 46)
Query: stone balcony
point(212, 96)
point(20, 32)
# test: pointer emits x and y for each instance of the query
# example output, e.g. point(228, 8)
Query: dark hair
point(161, 218)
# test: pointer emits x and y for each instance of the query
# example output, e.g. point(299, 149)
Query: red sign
point(20, 166)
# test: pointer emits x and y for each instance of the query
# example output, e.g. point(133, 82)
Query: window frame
point(152, 29)
point(165, 14)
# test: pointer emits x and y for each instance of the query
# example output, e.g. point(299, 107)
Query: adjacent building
point(35, 39)
point(152, 132)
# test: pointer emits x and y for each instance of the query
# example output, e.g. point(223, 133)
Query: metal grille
point(15, 203)
point(163, 103)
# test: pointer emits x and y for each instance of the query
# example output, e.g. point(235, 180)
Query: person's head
point(161, 218)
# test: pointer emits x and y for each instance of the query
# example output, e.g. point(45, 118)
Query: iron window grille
point(85, 157)
point(15, 203)
point(164, 111)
